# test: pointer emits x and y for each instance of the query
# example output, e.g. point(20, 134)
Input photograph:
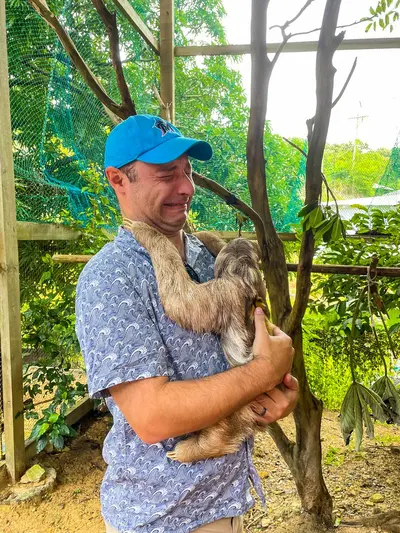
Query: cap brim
point(170, 150)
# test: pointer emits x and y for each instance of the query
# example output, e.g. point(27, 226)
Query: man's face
point(160, 195)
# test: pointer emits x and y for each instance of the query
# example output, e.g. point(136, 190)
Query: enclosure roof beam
point(125, 7)
point(305, 46)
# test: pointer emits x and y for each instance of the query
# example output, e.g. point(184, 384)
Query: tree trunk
point(307, 454)
point(304, 456)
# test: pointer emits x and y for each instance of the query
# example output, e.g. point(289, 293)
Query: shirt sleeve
point(117, 331)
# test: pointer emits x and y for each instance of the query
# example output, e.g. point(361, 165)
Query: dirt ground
point(361, 484)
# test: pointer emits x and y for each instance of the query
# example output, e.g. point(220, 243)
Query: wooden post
point(10, 317)
point(167, 59)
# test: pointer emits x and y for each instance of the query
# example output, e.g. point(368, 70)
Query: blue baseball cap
point(150, 139)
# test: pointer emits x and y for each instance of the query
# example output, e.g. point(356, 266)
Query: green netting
point(390, 180)
point(59, 127)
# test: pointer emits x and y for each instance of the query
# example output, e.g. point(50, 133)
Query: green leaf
point(53, 418)
point(374, 402)
point(394, 328)
point(57, 441)
point(360, 207)
point(355, 412)
point(366, 418)
point(307, 209)
point(342, 308)
point(315, 217)
point(41, 443)
point(343, 229)
point(358, 419)
point(64, 430)
point(336, 230)
point(43, 428)
point(45, 276)
point(386, 390)
point(324, 228)
point(347, 420)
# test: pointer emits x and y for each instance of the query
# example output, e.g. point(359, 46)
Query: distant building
point(348, 208)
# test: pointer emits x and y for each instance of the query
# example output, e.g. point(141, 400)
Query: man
point(160, 381)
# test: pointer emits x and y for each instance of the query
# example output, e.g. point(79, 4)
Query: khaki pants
point(225, 525)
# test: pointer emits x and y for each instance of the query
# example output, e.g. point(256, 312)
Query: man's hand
point(278, 402)
point(273, 353)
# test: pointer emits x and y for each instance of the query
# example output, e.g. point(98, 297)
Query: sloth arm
point(201, 307)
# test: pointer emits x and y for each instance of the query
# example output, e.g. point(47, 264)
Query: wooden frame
point(290, 47)
point(125, 7)
point(10, 319)
point(34, 231)
point(167, 59)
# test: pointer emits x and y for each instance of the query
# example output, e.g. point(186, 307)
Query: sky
point(370, 107)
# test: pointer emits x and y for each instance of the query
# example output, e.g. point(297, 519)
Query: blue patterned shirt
point(125, 336)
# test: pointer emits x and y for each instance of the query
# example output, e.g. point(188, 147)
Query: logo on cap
point(163, 126)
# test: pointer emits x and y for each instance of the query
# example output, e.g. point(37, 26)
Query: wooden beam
point(355, 270)
point(125, 7)
point(251, 235)
point(10, 313)
point(34, 231)
point(69, 258)
point(291, 47)
point(167, 59)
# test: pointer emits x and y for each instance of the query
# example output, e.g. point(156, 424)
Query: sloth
point(225, 306)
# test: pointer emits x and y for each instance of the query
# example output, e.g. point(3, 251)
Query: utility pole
point(359, 120)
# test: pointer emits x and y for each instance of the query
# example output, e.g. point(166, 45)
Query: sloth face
point(240, 258)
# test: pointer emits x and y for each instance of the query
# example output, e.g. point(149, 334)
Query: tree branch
point(323, 177)
point(338, 27)
point(41, 7)
point(230, 199)
point(289, 22)
point(339, 96)
point(110, 22)
point(327, 45)
point(295, 146)
point(283, 28)
point(284, 445)
point(165, 107)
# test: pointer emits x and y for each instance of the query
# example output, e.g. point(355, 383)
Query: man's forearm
point(180, 407)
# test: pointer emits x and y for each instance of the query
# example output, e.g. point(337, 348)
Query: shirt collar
point(193, 248)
